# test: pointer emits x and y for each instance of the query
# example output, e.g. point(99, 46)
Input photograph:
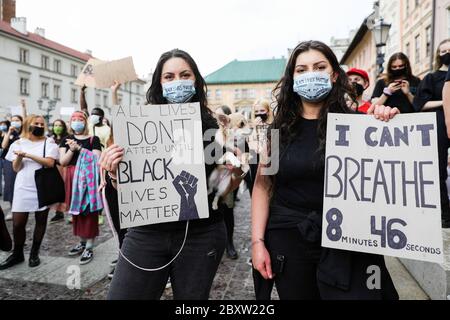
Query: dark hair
point(226, 110)
point(438, 61)
point(289, 106)
point(155, 92)
point(389, 77)
point(21, 120)
point(64, 125)
point(99, 111)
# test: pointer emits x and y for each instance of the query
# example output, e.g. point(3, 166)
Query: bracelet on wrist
point(387, 92)
point(254, 243)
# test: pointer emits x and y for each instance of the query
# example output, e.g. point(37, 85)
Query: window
point(73, 70)
point(74, 95)
point(218, 94)
point(408, 50)
point(44, 62)
point(24, 56)
point(138, 89)
point(417, 3)
point(268, 93)
point(97, 99)
point(105, 101)
point(24, 86)
point(138, 101)
point(244, 93)
point(237, 94)
point(57, 66)
point(417, 42)
point(251, 94)
point(57, 92)
point(208, 94)
point(44, 90)
point(407, 8)
point(428, 35)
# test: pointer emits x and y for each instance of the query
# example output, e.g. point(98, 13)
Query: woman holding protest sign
point(149, 253)
point(429, 99)
point(79, 144)
point(287, 207)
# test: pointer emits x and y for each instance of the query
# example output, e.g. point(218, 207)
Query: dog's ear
point(224, 120)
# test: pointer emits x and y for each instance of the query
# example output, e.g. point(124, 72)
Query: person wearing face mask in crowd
point(27, 156)
point(85, 224)
point(4, 127)
point(261, 119)
point(176, 80)
point(398, 87)
point(58, 133)
point(97, 126)
point(360, 81)
point(9, 175)
point(429, 99)
point(287, 207)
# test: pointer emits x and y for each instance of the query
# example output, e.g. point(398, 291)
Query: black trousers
point(191, 274)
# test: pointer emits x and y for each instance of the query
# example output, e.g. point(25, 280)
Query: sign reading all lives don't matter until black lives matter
point(382, 186)
point(162, 176)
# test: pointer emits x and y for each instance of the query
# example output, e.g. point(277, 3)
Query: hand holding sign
point(186, 186)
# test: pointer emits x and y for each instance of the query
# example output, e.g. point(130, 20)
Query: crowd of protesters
point(82, 149)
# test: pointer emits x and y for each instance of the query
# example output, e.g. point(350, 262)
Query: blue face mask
point(313, 86)
point(78, 126)
point(180, 91)
point(3, 128)
point(16, 125)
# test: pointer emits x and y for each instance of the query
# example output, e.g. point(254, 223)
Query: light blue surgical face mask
point(313, 86)
point(78, 126)
point(3, 128)
point(179, 91)
point(16, 125)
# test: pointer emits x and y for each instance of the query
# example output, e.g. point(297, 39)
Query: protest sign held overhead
point(162, 176)
point(102, 74)
point(382, 186)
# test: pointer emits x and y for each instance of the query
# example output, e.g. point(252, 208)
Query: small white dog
point(233, 132)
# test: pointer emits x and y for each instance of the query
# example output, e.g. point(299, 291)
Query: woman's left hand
point(20, 154)
point(383, 113)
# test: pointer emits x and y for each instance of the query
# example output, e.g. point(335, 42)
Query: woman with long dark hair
point(288, 204)
point(155, 246)
point(429, 99)
point(398, 86)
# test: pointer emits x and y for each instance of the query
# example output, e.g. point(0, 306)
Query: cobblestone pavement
point(233, 280)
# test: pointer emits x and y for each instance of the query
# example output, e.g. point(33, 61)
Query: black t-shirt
point(398, 99)
point(299, 183)
point(13, 138)
point(92, 143)
point(448, 75)
point(430, 89)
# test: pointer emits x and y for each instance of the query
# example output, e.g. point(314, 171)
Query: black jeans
point(191, 274)
point(294, 264)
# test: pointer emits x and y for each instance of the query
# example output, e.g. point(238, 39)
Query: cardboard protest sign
point(87, 77)
point(119, 70)
point(162, 177)
point(382, 186)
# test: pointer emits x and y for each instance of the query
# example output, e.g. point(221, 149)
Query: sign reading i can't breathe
point(162, 177)
point(382, 186)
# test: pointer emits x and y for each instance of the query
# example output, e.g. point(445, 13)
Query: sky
point(213, 32)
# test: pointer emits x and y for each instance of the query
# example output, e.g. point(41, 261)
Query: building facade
point(442, 22)
point(240, 83)
point(43, 73)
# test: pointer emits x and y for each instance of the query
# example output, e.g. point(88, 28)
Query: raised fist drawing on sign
point(186, 185)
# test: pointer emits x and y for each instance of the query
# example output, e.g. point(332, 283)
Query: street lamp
point(51, 107)
point(381, 34)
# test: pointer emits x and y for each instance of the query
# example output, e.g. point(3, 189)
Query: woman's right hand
point(394, 86)
point(11, 130)
point(261, 260)
point(111, 158)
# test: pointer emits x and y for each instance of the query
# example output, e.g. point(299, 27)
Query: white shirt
point(25, 193)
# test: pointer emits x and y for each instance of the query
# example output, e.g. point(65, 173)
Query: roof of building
point(254, 71)
point(355, 41)
point(36, 39)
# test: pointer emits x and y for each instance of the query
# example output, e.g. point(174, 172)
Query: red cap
point(359, 72)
